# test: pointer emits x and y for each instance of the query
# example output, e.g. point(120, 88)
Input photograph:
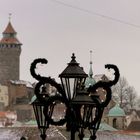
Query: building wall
point(24, 112)
point(16, 91)
point(19, 91)
point(120, 122)
point(19, 99)
point(9, 63)
point(4, 95)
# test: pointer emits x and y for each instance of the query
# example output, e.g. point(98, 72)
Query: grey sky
point(54, 31)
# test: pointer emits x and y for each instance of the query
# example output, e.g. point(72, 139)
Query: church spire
point(90, 70)
point(90, 81)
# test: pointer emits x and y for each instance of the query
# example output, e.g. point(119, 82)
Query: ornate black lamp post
point(84, 108)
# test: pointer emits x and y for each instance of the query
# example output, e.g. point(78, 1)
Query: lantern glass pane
point(69, 85)
point(80, 83)
point(86, 115)
point(72, 84)
point(65, 86)
point(39, 114)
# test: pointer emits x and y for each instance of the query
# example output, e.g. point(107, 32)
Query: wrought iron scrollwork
point(43, 80)
point(94, 125)
point(45, 98)
point(106, 85)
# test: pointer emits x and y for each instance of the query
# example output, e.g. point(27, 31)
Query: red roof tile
point(9, 41)
point(2, 114)
point(9, 29)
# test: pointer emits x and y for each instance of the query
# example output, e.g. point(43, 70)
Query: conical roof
point(9, 29)
point(9, 35)
point(116, 111)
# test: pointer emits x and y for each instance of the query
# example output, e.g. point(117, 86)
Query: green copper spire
point(90, 70)
point(90, 80)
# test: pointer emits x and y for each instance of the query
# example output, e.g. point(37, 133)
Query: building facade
point(20, 94)
point(4, 98)
point(116, 117)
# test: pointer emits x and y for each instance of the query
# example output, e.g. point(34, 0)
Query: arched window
point(115, 123)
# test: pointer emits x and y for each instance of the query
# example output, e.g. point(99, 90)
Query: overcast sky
point(54, 29)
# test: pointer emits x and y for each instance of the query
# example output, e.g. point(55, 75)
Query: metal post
point(93, 137)
point(43, 136)
point(73, 133)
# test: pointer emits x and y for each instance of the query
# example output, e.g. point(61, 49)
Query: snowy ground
point(53, 134)
point(110, 136)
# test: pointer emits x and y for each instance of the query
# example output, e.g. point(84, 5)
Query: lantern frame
point(72, 78)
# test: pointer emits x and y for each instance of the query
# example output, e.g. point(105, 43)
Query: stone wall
point(119, 122)
point(9, 64)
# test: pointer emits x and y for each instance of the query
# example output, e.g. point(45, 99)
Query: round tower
point(10, 49)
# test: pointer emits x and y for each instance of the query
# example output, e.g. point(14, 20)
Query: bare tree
point(124, 94)
point(132, 97)
point(138, 103)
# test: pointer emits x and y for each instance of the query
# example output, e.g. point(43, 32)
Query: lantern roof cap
point(73, 70)
point(83, 97)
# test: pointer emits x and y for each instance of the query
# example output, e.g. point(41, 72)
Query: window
point(115, 123)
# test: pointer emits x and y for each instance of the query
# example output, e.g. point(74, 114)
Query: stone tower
point(10, 49)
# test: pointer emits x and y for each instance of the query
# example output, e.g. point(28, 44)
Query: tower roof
point(116, 111)
point(9, 29)
point(9, 35)
point(9, 41)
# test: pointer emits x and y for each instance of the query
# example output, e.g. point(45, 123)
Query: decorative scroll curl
point(45, 98)
point(106, 85)
point(52, 101)
point(43, 80)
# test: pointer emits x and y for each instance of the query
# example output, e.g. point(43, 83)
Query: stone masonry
point(9, 64)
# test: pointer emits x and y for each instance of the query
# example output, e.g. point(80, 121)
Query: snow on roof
point(106, 127)
point(100, 77)
point(21, 82)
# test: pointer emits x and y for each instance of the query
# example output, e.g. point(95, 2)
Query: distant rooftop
point(21, 82)
point(116, 111)
point(134, 126)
